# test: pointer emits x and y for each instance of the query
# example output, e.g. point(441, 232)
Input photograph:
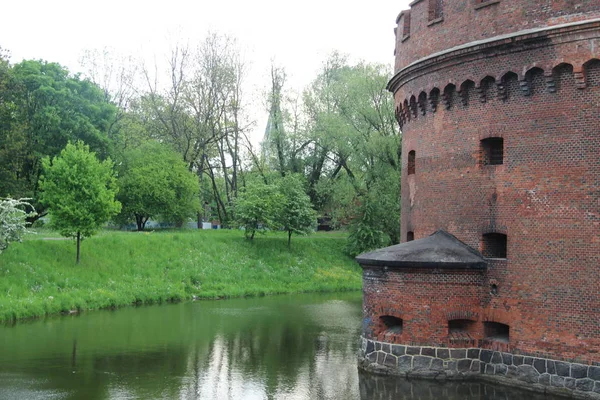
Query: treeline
point(337, 140)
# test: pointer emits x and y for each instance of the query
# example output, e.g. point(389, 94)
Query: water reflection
point(285, 347)
point(389, 388)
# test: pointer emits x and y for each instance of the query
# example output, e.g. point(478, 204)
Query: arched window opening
point(460, 325)
point(493, 245)
point(410, 236)
point(460, 332)
point(492, 151)
point(391, 324)
point(496, 331)
point(411, 162)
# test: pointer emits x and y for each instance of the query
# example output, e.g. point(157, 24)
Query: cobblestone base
point(539, 374)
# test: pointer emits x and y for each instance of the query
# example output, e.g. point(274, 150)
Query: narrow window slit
point(411, 162)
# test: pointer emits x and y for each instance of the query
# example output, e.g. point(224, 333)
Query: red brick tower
point(499, 106)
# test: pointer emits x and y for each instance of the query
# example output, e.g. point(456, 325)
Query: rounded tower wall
point(525, 75)
point(542, 197)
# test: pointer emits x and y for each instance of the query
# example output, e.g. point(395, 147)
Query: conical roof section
point(439, 250)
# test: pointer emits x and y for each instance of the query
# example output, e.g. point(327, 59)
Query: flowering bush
point(13, 223)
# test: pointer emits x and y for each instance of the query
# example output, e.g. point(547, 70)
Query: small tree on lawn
point(256, 208)
point(79, 191)
point(155, 182)
point(13, 223)
point(296, 214)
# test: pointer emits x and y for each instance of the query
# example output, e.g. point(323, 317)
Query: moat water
point(282, 347)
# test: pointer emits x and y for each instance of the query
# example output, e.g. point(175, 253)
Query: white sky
point(296, 35)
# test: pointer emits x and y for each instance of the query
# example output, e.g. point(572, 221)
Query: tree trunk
point(78, 246)
point(140, 221)
point(289, 238)
point(221, 210)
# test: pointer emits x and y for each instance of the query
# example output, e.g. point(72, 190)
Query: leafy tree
point(155, 182)
point(257, 208)
point(42, 108)
point(13, 220)
point(199, 113)
point(346, 143)
point(79, 191)
point(357, 147)
point(296, 214)
point(364, 234)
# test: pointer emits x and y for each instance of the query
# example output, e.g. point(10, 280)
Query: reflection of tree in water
point(376, 387)
point(290, 347)
point(99, 376)
point(283, 353)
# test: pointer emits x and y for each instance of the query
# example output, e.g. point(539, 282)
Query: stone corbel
point(550, 82)
point(579, 78)
point(525, 87)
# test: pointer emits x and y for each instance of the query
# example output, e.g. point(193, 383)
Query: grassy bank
point(40, 277)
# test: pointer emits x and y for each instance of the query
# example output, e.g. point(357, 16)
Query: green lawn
point(39, 276)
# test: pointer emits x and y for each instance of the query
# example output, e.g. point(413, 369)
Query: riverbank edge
point(159, 301)
point(39, 278)
point(555, 377)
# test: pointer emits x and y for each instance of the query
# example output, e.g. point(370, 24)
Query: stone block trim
point(419, 361)
point(539, 374)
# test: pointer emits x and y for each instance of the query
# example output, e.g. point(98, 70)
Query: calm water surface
point(283, 347)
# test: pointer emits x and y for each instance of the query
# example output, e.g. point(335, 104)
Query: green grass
point(39, 276)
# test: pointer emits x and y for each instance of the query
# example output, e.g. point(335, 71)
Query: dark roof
point(439, 250)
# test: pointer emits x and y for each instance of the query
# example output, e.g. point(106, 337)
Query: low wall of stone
point(539, 374)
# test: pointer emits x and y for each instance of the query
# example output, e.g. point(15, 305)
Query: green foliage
point(353, 115)
point(296, 214)
point(364, 235)
point(124, 268)
point(345, 141)
point(79, 191)
point(13, 224)
point(42, 108)
point(155, 182)
point(257, 208)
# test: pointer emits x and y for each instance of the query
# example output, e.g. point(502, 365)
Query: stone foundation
point(533, 373)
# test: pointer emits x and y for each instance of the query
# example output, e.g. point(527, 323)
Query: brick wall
point(541, 95)
point(465, 21)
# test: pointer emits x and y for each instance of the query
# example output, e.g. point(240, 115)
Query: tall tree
point(43, 107)
point(117, 75)
point(346, 144)
point(80, 192)
point(201, 113)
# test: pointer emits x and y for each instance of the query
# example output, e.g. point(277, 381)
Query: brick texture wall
point(465, 21)
point(541, 95)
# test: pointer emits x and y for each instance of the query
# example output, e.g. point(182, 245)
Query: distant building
point(499, 106)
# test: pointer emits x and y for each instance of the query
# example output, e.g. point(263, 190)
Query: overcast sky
point(297, 35)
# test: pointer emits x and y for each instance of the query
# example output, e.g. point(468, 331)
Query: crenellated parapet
point(475, 70)
point(509, 85)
